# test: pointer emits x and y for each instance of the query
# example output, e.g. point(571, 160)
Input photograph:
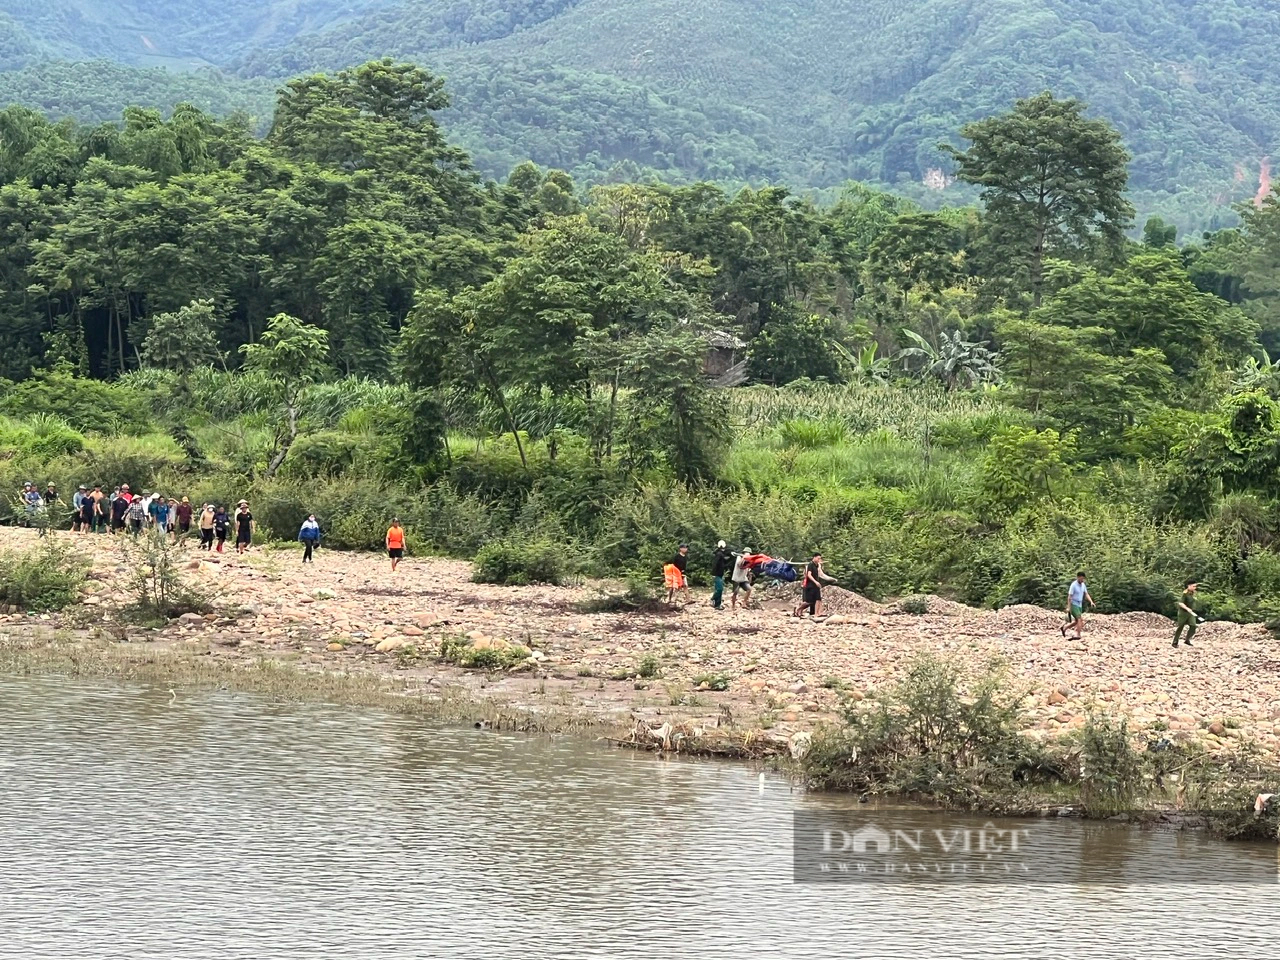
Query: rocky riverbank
point(347, 614)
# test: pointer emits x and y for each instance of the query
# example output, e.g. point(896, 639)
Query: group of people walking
point(742, 568)
point(92, 510)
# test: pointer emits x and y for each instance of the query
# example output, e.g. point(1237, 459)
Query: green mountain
point(810, 92)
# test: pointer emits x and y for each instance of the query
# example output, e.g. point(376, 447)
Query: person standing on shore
point(119, 510)
point(244, 526)
point(395, 543)
point(183, 513)
point(77, 501)
point(674, 574)
point(51, 502)
point(309, 537)
point(100, 507)
point(1077, 594)
point(206, 527)
point(1188, 619)
point(86, 513)
point(721, 565)
point(811, 587)
point(741, 578)
point(221, 523)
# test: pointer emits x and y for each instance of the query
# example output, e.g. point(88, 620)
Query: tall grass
point(862, 408)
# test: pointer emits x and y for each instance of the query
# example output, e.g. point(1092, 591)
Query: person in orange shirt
point(395, 543)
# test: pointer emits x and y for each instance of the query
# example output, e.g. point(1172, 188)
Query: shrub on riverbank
point(516, 562)
point(936, 733)
point(41, 580)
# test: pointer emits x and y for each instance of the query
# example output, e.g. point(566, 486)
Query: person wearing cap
point(674, 574)
point(721, 566)
point(741, 578)
point(182, 512)
point(244, 526)
point(31, 501)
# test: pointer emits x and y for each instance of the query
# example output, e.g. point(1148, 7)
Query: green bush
point(1110, 768)
point(937, 732)
point(811, 434)
point(46, 578)
point(84, 404)
point(520, 562)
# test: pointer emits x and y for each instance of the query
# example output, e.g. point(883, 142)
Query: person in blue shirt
point(1077, 594)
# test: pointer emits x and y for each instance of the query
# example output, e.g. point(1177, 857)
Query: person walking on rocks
point(721, 566)
point(137, 515)
point(674, 574)
point(309, 537)
point(206, 526)
point(395, 543)
point(1077, 594)
point(1188, 619)
point(183, 513)
point(221, 524)
point(811, 587)
point(741, 579)
point(244, 526)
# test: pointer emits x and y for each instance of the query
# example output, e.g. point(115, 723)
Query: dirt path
point(784, 674)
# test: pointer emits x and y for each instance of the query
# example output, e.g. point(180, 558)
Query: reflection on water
point(225, 827)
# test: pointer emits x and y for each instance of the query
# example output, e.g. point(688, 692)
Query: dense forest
point(809, 95)
point(345, 318)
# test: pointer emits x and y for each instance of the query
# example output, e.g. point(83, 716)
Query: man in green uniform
point(1187, 618)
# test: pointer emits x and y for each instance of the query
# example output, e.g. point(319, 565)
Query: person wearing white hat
point(721, 565)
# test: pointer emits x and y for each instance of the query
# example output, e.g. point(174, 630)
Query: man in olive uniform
point(1187, 618)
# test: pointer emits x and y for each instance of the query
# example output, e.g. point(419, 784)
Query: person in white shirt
point(1077, 594)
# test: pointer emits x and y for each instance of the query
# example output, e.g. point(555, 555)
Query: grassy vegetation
point(890, 483)
point(944, 736)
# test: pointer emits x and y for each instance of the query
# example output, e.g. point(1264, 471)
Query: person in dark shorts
point(395, 543)
point(119, 508)
point(244, 526)
point(206, 526)
point(811, 587)
point(87, 506)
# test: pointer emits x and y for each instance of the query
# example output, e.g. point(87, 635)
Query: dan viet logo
point(872, 851)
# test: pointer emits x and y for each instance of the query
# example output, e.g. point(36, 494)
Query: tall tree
point(1053, 182)
point(292, 356)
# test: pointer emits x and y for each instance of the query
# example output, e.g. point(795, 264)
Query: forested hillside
point(810, 93)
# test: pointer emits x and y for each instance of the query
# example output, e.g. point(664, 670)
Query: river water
point(143, 824)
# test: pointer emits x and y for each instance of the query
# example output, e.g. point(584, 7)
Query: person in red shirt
point(395, 543)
